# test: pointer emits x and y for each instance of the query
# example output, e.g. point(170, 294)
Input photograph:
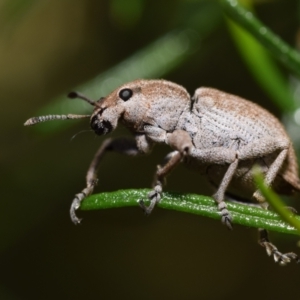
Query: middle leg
point(172, 160)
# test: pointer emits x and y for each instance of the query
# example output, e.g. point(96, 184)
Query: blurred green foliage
point(48, 48)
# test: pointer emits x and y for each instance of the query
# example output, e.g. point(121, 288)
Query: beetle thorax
point(155, 102)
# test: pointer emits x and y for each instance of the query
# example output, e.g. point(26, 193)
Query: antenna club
point(73, 95)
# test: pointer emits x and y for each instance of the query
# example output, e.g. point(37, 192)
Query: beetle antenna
point(35, 120)
point(74, 95)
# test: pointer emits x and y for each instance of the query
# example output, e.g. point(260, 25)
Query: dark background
point(48, 48)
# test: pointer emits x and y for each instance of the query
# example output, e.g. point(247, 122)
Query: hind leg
point(270, 176)
point(120, 145)
point(281, 258)
point(263, 148)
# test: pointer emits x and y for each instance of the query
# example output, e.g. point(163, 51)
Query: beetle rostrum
point(219, 135)
point(100, 127)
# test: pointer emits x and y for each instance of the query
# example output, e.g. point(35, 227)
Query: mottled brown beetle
point(220, 135)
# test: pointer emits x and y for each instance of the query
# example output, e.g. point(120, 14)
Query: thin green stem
point(275, 201)
point(281, 50)
point(263, 67)
point(242, 214)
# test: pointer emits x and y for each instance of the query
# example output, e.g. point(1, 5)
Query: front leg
point(121, 145)
point(178, 140)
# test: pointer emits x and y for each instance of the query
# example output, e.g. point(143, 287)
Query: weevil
point(220, 135)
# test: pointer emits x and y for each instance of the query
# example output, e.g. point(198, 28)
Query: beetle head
point(138, 103)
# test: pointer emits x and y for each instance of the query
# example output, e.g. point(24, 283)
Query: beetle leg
point(219, 195)
point(270, 176)
point(172, 160)
point(267, 147)
point(181, 142)
point(121, 145)
point(219, 155)
point(261, 148)
point(281, 258)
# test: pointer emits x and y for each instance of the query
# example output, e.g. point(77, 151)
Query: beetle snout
point(101, 127)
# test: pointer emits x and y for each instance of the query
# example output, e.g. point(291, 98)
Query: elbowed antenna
point(35, 120)
point(74, 95)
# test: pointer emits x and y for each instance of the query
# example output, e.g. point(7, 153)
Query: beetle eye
point(125, 94)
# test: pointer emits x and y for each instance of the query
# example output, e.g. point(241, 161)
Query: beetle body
point(230, 122)
point(219, 135)
point(213, 119)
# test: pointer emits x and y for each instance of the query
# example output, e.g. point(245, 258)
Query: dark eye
point(125, 94)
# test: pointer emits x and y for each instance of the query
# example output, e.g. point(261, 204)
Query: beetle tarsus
point(74, 206)
point(147, 209)
point(227, 221)
point(226, 217)
point(281, 258)
point(154, 196)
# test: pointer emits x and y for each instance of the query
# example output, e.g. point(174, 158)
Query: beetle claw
point(281, 258)
point(74, 206)
point(227, 221)
point(226, 217)
point(154, 196)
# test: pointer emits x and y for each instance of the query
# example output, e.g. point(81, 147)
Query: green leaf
point(281, 50)
point(275, 201)
point(242, 214)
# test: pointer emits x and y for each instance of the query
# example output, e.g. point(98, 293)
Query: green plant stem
point(245, 18)
point(242, 214)
point(263, 67)
point(275, 201)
